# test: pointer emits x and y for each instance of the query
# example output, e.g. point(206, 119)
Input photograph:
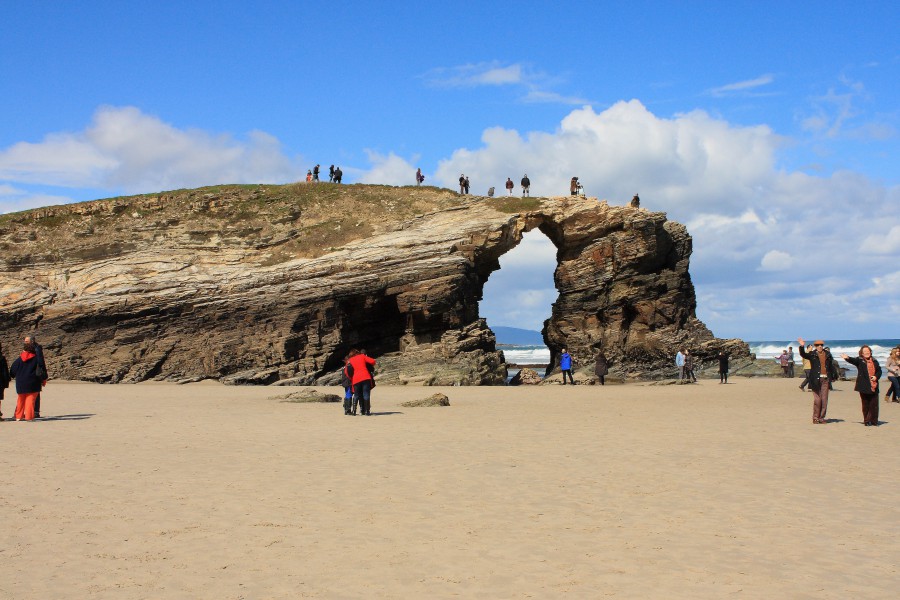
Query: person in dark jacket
point(28, 384)
point(822, 371)
point(601, 367)
point(509, 186)
point(4, 376)
point(347, 381)
point(723, 367)
point(41, 371)
point(526, 186)
point(868, 372)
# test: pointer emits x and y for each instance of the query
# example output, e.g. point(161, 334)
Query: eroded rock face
point(263, 285)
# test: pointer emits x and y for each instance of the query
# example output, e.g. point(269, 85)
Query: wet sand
point(628, 491)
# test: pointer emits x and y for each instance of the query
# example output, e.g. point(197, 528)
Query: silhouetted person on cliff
point(636, 201)
point(338, 174)
point(331, 174)
point(419, 177)
point(466, 186)
point(526, 186)
point(316, 173)
point(462, 184)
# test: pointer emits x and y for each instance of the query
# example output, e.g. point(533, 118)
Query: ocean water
point(764, 350)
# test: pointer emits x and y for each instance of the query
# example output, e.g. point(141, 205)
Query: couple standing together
point(358, 381)
point(823, 368)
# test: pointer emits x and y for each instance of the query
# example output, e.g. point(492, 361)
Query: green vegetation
point(514, 205)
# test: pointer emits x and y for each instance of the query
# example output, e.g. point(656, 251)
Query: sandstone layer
point(274, 284)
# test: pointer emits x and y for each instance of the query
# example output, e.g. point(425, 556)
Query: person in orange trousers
point(28, 384)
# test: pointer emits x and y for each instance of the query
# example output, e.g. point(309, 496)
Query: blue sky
point(769, 128)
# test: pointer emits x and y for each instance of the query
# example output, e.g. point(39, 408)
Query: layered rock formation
point(274, 284)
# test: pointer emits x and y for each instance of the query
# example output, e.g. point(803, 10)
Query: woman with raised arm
point(868, 372)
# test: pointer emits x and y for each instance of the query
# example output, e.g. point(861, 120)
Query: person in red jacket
point(362, 381)
point(28, 381)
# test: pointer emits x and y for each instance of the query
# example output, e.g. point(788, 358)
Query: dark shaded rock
point(433, 400)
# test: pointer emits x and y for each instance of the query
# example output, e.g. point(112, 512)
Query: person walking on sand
point(362, 382)
point(4, 378)
point(868, 372)
point(893, 369)
point(526, 186)
point(679, 362)
point(509, 186)
point(790, 353)
point(601, 367)
point(783, 361)
point(565, 365)
point(821, 371)
point(25, 370)
point(723, 367)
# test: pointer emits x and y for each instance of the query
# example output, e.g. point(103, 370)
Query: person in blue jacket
point(565, 363)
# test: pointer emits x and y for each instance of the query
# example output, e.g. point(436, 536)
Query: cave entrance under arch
point(519, 296)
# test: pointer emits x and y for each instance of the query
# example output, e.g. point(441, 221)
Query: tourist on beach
point(565, 365)
point(509, 186)
point(822, 370)
point(419, 177)
point(331, 174)
point(868, 372)
point(893, 369)
point(4, 377)
point(723, 367)
point(784, 362)
point(526, 186)
point(806, 369)
point(25, 370)
point(362, 382)
point(41, 370)
point(679, 362)
point(338, 175)
point(347, 381)
point(601, 367)
point(791, 362)
point(689, 366)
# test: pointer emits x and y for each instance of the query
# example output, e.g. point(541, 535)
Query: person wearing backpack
point(419, 177)
point(28, 382)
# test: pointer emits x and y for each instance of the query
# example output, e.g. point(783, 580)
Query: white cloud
point(882, 243)
point(125, 149)
point(471, 75)
point(776, 260)
point(389, 169)
point(743, 86)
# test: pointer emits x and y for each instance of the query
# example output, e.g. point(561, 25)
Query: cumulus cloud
point(389, 169)
point(725, 183)
point(126, 149)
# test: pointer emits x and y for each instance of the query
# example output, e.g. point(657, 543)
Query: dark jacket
point(723, 363)
point(815, 380)
point(4, 375)
point(23, 370)
point(601, 366)
point(862, 375)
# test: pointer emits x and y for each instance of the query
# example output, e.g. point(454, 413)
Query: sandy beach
point(625, 491)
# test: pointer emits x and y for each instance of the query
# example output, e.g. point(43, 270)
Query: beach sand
point(626, 491)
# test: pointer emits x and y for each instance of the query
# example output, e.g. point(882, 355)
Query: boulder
point(526, 376)
point(433, 400)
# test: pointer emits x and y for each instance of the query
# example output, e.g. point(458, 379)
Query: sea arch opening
point(517, 301)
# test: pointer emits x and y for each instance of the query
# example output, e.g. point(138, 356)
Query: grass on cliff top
point(513, 204)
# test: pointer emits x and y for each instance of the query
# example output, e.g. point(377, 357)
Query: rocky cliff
point(274, 284)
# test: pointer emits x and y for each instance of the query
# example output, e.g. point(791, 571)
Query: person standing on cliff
point(509, 186)
point(338, 175)
point(362, 381)
point(466, 186)
point(679, 362)
point(526, 186)
point(868, 372)
point(331, 174)
point(419, 177)
point(601, 367)
point(565, 365)
point(636, 201)
point(462, 183)
point(822, 371)
point(316, 173)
